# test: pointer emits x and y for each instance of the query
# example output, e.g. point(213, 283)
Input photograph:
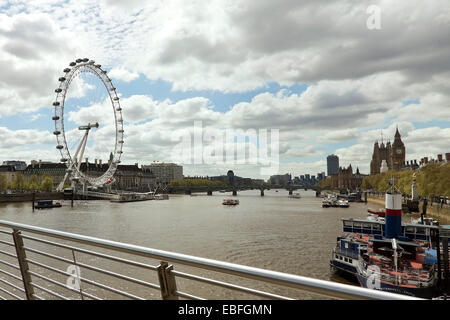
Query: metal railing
point(28, 277)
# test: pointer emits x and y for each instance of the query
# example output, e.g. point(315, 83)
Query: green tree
point(47, 183)
point(33, 186)
point(18, 182)
point(3, 183)
point(33, 182)
point(431, 180)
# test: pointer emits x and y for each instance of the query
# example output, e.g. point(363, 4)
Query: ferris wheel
point(73, 161)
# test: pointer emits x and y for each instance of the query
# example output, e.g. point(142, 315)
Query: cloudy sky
point(313, 70)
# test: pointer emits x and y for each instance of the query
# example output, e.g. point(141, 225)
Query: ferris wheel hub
point(89, 126)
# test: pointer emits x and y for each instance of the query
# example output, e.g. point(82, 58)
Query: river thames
point(272, 232)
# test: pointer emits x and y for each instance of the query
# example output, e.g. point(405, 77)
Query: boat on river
point(326, 203)
point(133, 197)
point(333, 201)
point(384, 254)
point(46, 204)
point(230, 202)
point(342, 203)
point(295, 195)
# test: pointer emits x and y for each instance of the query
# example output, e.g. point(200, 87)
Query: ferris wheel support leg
point(83, 146)
point(61, 184)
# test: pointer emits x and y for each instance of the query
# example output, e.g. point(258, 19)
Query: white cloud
point(357, 79)
point(12, 138)
point(339, 135)
point(123, 74)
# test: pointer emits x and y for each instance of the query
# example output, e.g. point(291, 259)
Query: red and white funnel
point(393, 216)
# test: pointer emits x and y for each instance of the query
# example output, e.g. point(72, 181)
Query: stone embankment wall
point(28, 196)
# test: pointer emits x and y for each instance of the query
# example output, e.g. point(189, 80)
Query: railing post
point(167, 281)
point(23, 264)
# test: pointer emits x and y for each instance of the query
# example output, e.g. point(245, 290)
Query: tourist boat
point(230, 202)
point(295, 195)
point(133, 197)
point(45, 204)
point(329, 200)
point(388, 255)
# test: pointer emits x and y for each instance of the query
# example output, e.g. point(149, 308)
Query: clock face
point(399, 151)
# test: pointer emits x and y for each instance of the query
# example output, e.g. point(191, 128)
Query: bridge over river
point(233, 189)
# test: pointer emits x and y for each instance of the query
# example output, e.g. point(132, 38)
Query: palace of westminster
point(385, 157)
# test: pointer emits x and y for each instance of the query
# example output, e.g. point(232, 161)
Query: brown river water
point(272, 232)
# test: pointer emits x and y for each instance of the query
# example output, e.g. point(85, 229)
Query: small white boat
point(326, 203)
point(295, 195)
point(342, 203)
point(230, 202)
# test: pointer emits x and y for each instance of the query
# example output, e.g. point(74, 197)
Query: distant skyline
point(311, 69)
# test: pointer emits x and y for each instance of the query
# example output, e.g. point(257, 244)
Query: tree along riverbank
point(432, 181)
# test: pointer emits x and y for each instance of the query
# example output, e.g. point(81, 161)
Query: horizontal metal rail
point(229, 286)
point(11, 275)
point(8, 254)
point(11, 294)
point(7, 243)
point(114, 274)
point(9, 264)
point(167, 275)
point(81, 279)
point(5, 232)
point(93, 253)
point(49, 291)
point(63, 285)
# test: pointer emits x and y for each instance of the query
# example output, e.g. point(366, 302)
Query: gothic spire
point(397, 134)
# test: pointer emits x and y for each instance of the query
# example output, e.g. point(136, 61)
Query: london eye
point(73, 159)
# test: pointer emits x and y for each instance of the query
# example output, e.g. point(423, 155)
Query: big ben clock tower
point(397, 152)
